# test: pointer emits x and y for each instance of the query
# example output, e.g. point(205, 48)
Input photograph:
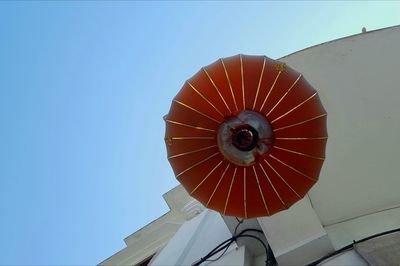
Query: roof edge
point(339, 39)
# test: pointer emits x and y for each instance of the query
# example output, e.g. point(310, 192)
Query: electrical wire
point(350, 246)
point(270, 258)
point(257, 238)
point(217, 250)
point(223, 253)
point(237, 226)
point(224, 246)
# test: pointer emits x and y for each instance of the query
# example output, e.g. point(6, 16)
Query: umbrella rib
point(300, 153)
point(315, 138)
point(196, 164)
point(300, 123)
point(230, 188)
point(187, 125)
point(193, 151)
point(230, 85)
point(273, 187)
point(216, 88)
point(197, 111)
point(294, 108)
point(286, 93)
point(216, 187)
point(294, 169)
point(189, 138)
point(205, 178)
point(241, 73)
point(287, 184)
point(202, 96)
point(269, 92)
point(261, 193)
point(259, 83)
point(244, 193)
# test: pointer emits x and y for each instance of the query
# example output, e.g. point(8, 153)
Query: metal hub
point(242, 138)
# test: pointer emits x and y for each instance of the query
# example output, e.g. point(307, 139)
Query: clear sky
point(83, 89)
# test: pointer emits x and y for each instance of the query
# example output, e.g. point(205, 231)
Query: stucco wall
point(358, 80)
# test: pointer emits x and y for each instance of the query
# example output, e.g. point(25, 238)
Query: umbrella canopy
point(246, 136)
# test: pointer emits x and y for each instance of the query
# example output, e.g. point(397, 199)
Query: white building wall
point(296, 236)
point(194, 240)
point(197, 237)
point(152, 238)
point(358, 81)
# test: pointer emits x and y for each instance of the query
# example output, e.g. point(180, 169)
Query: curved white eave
point(358, 80)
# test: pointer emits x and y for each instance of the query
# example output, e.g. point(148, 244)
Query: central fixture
point(244, 138)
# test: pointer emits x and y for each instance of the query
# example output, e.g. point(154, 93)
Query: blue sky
point(83, 89)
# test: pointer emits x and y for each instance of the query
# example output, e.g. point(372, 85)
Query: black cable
point(331, 255)
point(259, 240)
point(270, 259)
point(350, 246)
point(217, 249)
point(223, 253)
point(252, 230)
point(228, 245)
point(237, 226)
point(225, 246)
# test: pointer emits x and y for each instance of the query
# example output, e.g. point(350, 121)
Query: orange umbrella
point(246, 136)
